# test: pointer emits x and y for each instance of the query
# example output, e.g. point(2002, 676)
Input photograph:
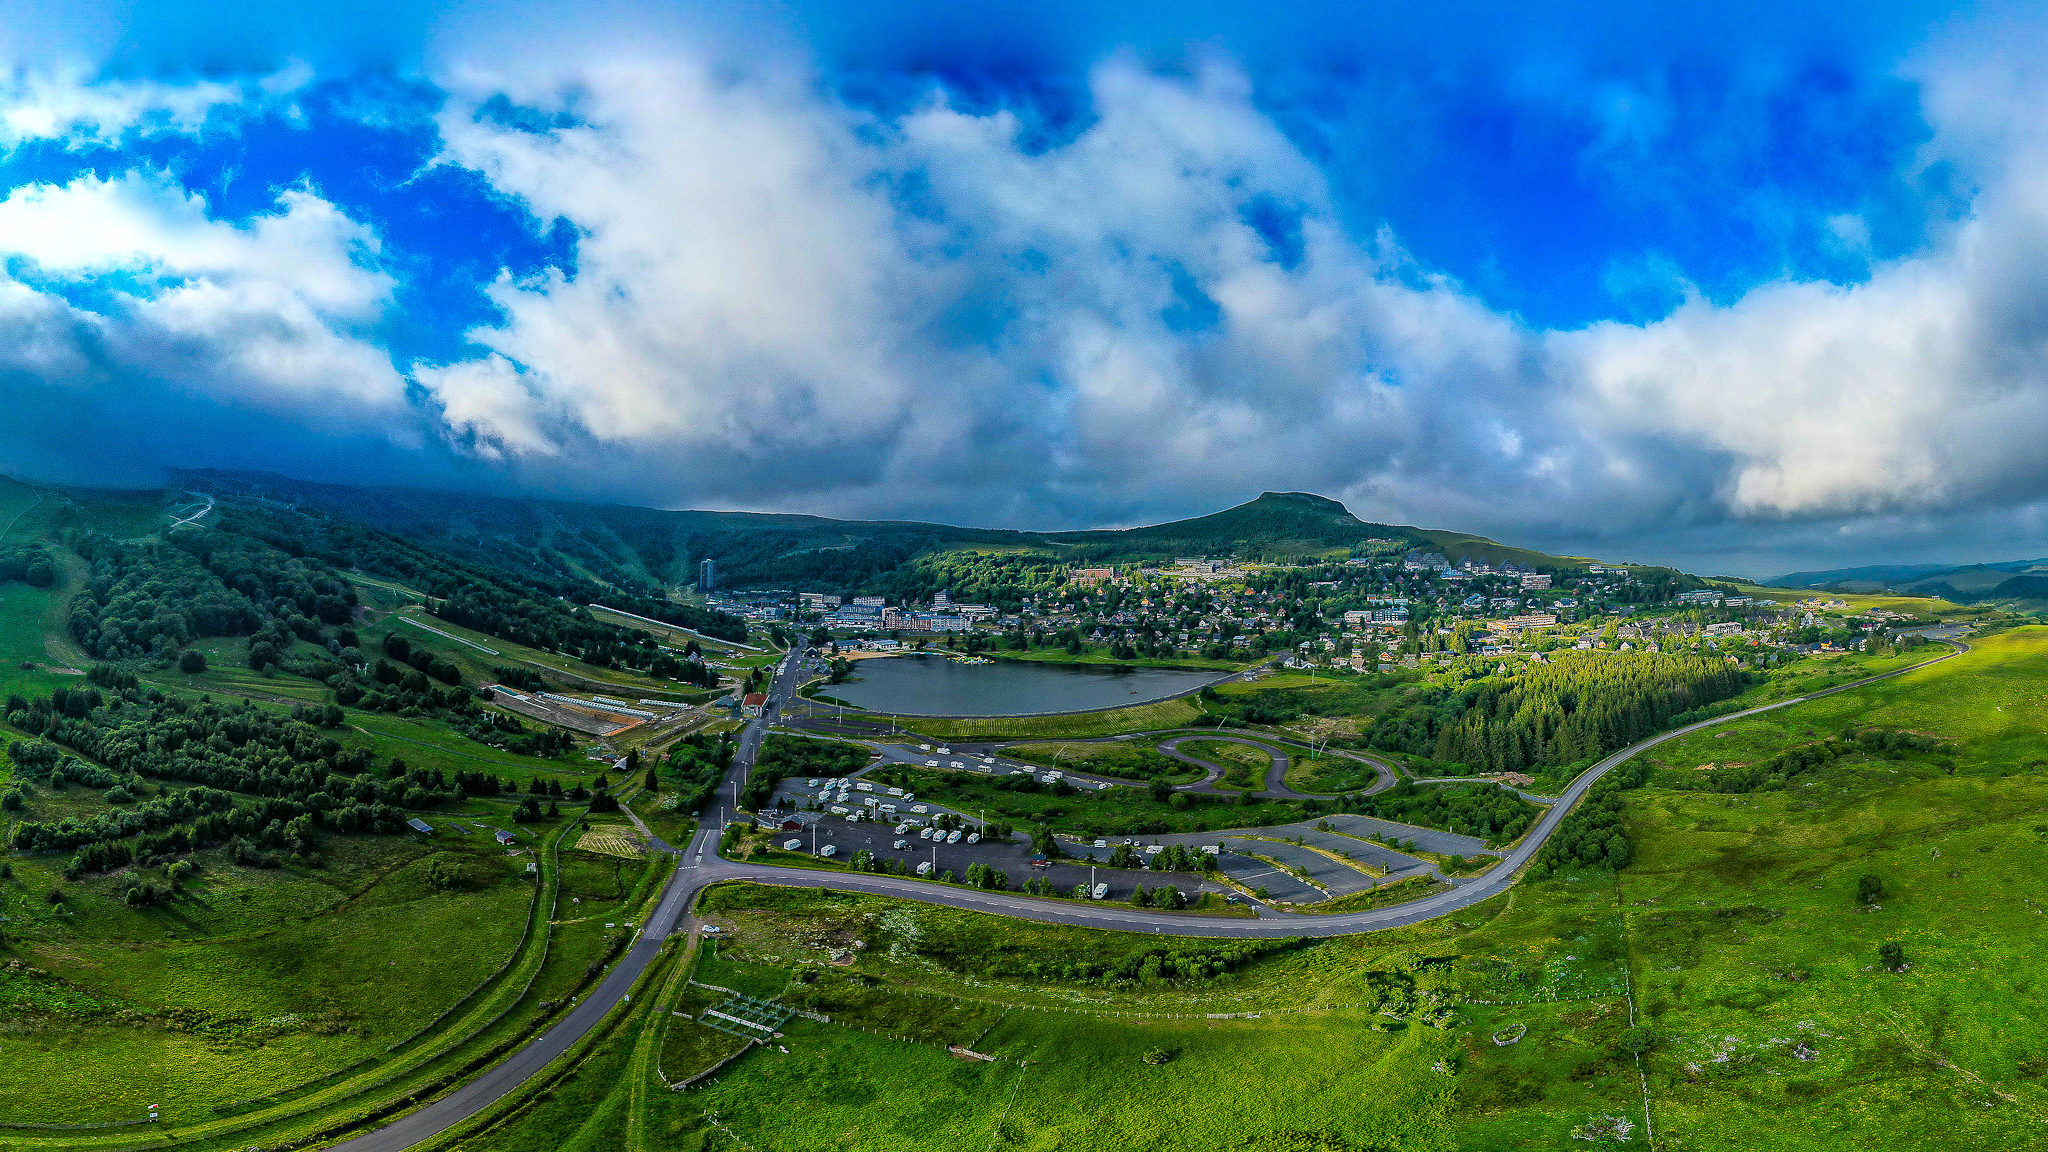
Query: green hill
point(552, 542)
point(1964, 584)
point(1275, 523)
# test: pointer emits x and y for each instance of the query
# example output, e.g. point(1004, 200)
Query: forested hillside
point(1578, 707)
point(251, 577)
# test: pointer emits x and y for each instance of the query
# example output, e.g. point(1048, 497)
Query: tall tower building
point(707, 576)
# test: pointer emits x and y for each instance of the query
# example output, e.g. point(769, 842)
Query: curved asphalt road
point(1275, 783)
point(1276, 776)
point(701, 866)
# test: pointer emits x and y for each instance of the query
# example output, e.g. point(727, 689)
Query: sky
point(1747, 290)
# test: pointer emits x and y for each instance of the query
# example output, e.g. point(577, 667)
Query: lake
point(937, 686)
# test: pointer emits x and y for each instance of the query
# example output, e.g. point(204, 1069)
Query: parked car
point(902, 844)
point(954, 837)
point(974, 837)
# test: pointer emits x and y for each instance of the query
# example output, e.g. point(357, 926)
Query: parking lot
point(1013, 857)
point(855, 814)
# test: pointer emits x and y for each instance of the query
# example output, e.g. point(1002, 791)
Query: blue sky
point(1747, 291)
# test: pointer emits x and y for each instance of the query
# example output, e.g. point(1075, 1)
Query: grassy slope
point(1745, 936)
point(1861, 602)
point(254, 980)
point(254, 961)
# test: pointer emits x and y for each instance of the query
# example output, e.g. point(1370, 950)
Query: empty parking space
point(1360, 850)
point(1427, 839)
point(1339, 879)
point(1256, 874)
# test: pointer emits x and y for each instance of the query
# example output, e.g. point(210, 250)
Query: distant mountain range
point(632, 546)
point(1967, 583)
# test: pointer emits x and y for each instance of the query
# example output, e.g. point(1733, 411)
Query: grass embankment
point(1137, 760)
point(1159, 714)
point(902, 983)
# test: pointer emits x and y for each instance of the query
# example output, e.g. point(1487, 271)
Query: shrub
point(1636, 1040)
point(192, 660)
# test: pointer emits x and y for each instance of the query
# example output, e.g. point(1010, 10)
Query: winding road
point(701, 866)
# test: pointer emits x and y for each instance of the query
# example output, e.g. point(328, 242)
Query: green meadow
point(1724, 991)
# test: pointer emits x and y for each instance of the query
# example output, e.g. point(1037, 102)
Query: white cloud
point(129, 283)
point(812, 305)
point(146, 225)
point(776, 299)
point(71, 106)
point(1921, 389)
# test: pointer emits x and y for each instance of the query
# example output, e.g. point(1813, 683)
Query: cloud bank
point(765, 293)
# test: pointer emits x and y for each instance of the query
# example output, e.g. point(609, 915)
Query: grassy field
point(230, 992)
point(1327, 774)
point(1244, 767)
point(1756, 963)
point(22, 609)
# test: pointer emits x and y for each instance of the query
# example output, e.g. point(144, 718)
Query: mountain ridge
point(629, 544)
point(1963, 583)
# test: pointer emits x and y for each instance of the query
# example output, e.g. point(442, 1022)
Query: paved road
point(701, 866)
point(1276, 772)
point(1275, 783)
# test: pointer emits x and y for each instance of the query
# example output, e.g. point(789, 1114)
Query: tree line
point(1593, 836)
point(31, 565)
point(1491, 813)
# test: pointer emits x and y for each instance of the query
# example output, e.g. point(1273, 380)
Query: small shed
point(505, 837)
